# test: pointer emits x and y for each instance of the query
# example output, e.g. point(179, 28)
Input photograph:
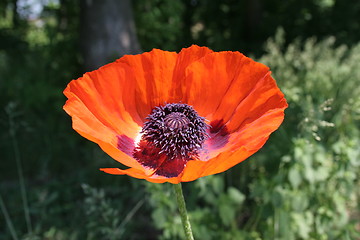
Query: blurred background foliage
point(304, 184)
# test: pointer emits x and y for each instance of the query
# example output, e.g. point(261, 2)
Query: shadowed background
point(304, 183)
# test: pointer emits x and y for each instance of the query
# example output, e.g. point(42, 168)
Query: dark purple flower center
point(172, 135)
point(176, 129)
point(176, 121)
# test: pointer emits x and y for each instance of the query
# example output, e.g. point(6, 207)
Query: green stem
point(183, 213)
point(8, 219)
point(12, 132)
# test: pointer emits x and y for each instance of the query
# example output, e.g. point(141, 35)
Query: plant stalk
point(183, 213)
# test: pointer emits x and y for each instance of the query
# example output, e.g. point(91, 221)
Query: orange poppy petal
point(100, 93)
point(257, 112)
point(262, 98)
point(187, 56)
point(238, 91)
point(219, 81)
point(265, 102)
point(151, 75)
point(157, 78)
point(224, 161)
point(91, 128)
point(243, 145)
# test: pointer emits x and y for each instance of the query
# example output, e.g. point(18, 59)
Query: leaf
point(235, 195)
point(295, 177)
point(227, 213)
point(276, 198)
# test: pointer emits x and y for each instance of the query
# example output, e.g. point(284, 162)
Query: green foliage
point(214, 220)
point(159, 24)
point(243, 24)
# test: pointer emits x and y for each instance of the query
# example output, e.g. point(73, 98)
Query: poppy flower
point(175, 117)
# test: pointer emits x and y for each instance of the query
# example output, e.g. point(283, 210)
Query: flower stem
point(183, 213)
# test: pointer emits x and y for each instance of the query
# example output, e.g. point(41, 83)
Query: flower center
point(176, 121)
point(176, 130)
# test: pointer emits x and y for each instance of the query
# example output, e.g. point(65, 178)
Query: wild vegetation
point(304, 183)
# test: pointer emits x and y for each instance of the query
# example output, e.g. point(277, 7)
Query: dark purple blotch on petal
point(218, 135)
point(125, 144)
point(148, 155)
point(171, 167)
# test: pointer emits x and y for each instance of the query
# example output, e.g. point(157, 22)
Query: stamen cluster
point(176, 129)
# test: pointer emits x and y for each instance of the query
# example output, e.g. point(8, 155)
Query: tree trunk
point(107, 31)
